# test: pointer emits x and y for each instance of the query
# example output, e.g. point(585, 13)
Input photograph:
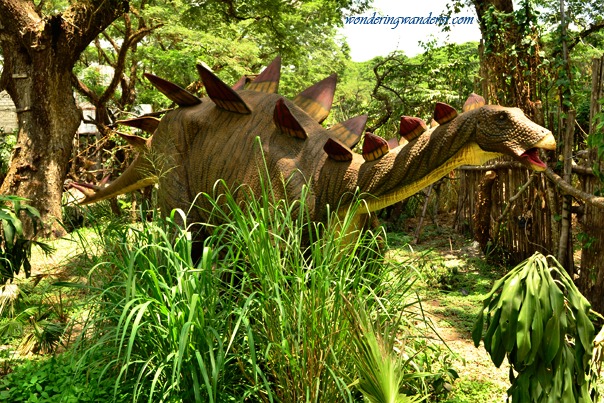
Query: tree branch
point(568, 189)
point(84, 20)
point(585, 33)
point(83, 89)
point(129, 41)
point(511, 200)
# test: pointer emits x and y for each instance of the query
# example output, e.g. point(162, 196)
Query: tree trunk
point(591, 279)
point(48, 119)
point(509, 78)
point(484, 203)
point(39, 54)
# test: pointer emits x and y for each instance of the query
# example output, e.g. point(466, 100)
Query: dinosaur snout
point(548, 142)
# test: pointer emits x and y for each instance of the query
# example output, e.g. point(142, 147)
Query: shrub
point(15, 248)
point(53, 379)
point(262, 316)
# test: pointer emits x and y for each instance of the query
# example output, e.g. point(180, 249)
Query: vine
point(512, 57)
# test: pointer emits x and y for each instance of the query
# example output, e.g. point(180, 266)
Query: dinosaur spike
point(240, 84)
point(349, 132)
point(374, 147)
point(412, 127)
point(176, 94)
point(444, 113)
point(317, 100)
point(136, 142)
point(268, 80)
point(337, 151)
point(393, 143)
point(223, 96)
point(146, 123)
point(474, 101)
point(286, 122)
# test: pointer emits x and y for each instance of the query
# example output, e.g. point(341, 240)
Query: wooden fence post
point(565, 249)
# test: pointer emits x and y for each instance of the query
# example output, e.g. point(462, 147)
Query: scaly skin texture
point(195, 146)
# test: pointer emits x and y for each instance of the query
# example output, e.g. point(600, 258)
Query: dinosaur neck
point(470, 154)
point(410, 168)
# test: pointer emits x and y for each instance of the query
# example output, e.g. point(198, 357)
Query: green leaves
point(552, 342)
point(15, 249)
point(53, 380)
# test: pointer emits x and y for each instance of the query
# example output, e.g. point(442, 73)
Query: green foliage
point(7, 142)
point(54, 379)
point(542, 325)
point(262, 315)
point(15, 248)
point(408, 86)
point(596, 141)
point(33, 316)
point(381, 369)
point(233, 39)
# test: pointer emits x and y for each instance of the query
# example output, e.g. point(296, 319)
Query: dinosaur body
point(234, 133)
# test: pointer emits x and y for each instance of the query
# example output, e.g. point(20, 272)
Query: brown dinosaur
point(232, 135)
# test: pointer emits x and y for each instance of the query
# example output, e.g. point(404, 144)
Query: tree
point(511, 64)
point(40, 49)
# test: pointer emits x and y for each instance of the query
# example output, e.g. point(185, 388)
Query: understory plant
point(261, 314)
point(538, 319)
point(15, 247)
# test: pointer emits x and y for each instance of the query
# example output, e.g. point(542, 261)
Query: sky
point(369, 40)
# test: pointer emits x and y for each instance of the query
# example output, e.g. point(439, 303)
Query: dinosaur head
point(508, 131)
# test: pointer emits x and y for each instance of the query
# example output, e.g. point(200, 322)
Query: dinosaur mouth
point(531, 158)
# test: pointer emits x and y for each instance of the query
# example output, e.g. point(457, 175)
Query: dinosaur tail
point(137, 176)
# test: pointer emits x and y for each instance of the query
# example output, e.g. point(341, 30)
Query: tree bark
point(39, 55)
point(484, 203)
point(591, 278)
point(508, 78)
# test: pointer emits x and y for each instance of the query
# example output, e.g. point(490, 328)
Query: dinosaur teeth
point(268, 80)
point(175, 93)
point(337, 151)
point(444, 113)
point(223, 96)
point(474, 101)
point(317, 100)
point(412, 127)
point(146, 123)
point(286, 122)
point(374, 147)
point(349, 132)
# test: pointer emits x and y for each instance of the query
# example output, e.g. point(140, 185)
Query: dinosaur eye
point(502, 116)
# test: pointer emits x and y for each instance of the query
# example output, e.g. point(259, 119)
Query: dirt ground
point(473, 365)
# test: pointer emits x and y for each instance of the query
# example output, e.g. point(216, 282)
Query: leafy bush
point(54, 380)
point(15, 248)
point(538, 319)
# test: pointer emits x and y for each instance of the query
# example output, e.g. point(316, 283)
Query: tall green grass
point(264, 315)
